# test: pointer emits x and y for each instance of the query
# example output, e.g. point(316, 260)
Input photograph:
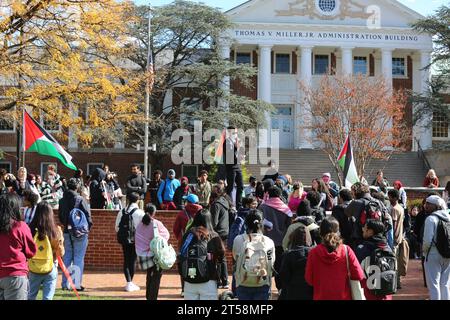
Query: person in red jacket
point(179, 228)
point(431, 180)
point(16, 246)
point(326, 268)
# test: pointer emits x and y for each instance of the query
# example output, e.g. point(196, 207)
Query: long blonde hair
point(430, 173)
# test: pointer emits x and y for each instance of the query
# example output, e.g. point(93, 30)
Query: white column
point(347, 60)
point(265, 89)
point(224, 51)
point(386, 66)
point(298, 105)
point(73, 139)
point(306, 133)
point(426, 128)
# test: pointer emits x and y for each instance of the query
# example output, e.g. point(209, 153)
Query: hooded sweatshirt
point(327, 273)
point(97, 188)
point(280, 220)
point(167, 189)
point(429, 234)
point(190, 211)
point(220, 218)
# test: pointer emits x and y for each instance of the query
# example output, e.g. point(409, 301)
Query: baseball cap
point(192, 198)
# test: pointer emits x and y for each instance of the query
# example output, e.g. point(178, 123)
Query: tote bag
point(355, 285)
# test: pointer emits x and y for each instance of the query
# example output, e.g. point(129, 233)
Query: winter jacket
point(238, 227)
point(180, 192)
point(318, 213)
point(310, 224)
point(327, 273)
point(203, 191)
point(292, 275)
point(220, 217)
point(167, 189)
point(67, 203)
point(97, 189)
point(190, 210)
point(16, 248)
point(345, 222)
point(280, 220)
point(430, 230)
point(333, 189)
point(137, 183)
point(427, 181)
point(363, 253)
point(153, 187)
point(144, 235)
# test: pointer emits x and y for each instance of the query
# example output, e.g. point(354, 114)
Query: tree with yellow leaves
point(63, 60)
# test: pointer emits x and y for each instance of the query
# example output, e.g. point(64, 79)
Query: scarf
point(279, 205)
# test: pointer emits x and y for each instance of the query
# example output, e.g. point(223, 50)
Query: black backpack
point(194, 260)
point(126, 232)
point(443, 238)
point(386, 261)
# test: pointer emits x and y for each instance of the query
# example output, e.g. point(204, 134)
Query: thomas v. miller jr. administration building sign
point(291, 41)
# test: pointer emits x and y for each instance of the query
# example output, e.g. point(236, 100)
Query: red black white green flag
point(37, 139)
point(347, 164)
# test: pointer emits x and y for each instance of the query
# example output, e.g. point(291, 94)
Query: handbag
point(355, 285)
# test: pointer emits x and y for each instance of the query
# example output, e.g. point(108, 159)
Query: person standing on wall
point(136, 183)
point(232, 166)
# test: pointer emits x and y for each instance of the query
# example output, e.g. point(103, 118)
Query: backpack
point(42, 262)
point(372, 210)
point(252, 266)
point(194, 260)
point(386, 262)
point(442, 237)
point(77, 224)
point(126, 232)
point(164, 254)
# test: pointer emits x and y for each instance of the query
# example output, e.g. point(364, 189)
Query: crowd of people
point(313, 242)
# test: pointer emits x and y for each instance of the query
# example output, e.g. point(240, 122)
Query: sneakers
point(130, 287)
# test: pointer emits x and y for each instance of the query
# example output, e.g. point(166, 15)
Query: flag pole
point(23, 136)
point(147, 96)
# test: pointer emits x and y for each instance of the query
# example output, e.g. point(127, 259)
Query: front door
point(282, 121)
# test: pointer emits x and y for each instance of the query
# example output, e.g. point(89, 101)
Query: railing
point(421, 154)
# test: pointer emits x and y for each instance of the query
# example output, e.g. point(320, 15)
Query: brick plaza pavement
point(106, 284)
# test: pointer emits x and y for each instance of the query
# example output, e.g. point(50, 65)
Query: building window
point(243, 58)
point(440, 125)
point(321, 64)
point(6, 126)
point(282, 63)
point(6, 165)
point(398, 67)
point(44, 168)
point(360, 65)
point(92, 166)
point(189, 171)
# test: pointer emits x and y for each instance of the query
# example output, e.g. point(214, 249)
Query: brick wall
point(105, 254)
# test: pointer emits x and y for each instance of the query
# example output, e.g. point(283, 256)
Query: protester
point(272, 172)
point(126, 223)
point(75, 239)
point(183, 223)
point(317, 211)
point(398, 215)
point(250, 190)
point(436, 237)
point(255, 255)
point(30, 200)
point(136, 183)
point(338, 211)
point(259, 191)
point(231, 159)
point(381, 182)
point(403, 198)
point(3, 177)
point(166, 191)
point(31, 179)
point(16, 246)
point(153, 187)
point(238, 227)
point(201, 255)
point(280, 183)
point(326, 199)
point(50, 243)
point(289, 186)
point(55, 183)
point(412, 237)
point(145, 232)
point(304, 219)
point(203, 189)
point(279, 214)
point(298, 195)
point(332, 186)
point(293, 265)
point(431, 180)
point(45, 191)
point(113, 192)
point(182, 191)
point(330, 264)
point(97, 189)
point(22, 183)
point(375, 245)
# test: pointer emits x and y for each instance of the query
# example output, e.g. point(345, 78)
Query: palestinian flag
point(36, 139)
point(218, 157)
point(347, 164)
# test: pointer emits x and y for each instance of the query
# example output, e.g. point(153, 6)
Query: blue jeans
point(48, 282)
point(390, 238)
point(246, 293)
point(75, 249)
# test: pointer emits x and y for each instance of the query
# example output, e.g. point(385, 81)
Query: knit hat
point(184, 179)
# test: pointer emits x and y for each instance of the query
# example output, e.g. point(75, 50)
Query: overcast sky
point(424, 7)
